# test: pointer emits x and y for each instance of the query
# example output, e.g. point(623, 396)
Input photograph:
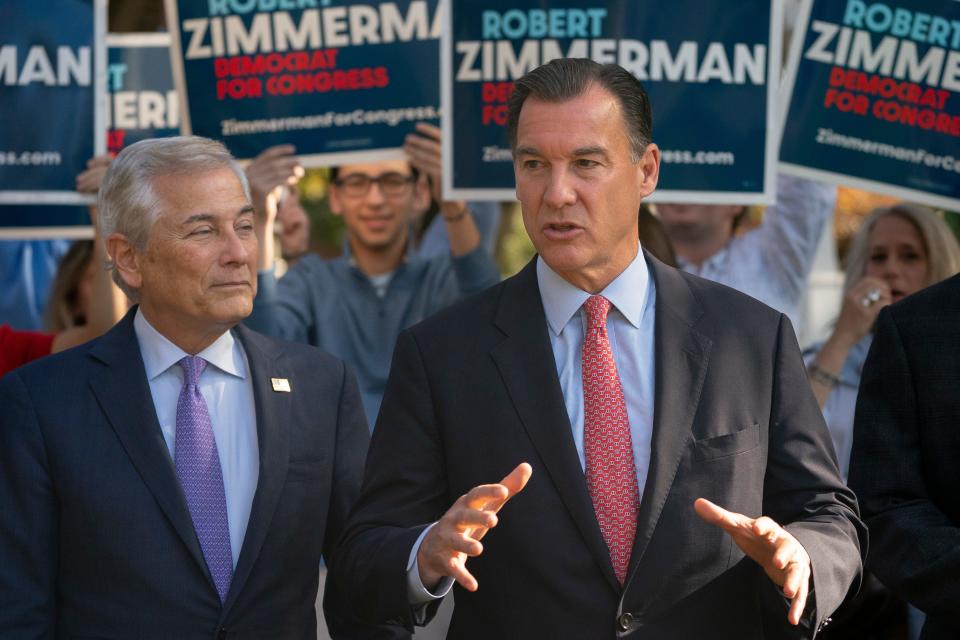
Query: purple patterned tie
point(198, 466)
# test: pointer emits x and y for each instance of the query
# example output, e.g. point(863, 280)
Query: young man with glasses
point(354, 306)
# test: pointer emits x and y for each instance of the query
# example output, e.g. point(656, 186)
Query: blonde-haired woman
point(897, 251)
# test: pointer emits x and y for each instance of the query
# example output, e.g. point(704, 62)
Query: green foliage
point(514, 249)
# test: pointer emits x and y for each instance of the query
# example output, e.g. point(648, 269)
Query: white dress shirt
point(772, 262)
point(630, 326)
point(228, 391)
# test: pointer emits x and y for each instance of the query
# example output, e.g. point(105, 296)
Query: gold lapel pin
point(280, 384)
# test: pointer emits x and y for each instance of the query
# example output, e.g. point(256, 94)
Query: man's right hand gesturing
point(458, 533)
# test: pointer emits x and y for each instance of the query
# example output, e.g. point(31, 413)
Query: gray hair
point(564, 79)
point(943, 251)
point(127, 203)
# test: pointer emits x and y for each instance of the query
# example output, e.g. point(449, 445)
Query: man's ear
point(125, 259)
point(649, 167)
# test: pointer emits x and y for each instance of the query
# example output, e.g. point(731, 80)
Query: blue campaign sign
point(340, 80)
point(709, 67)
point(142, 102)
point(26, 221)
point(51, 62)
point(873, 98)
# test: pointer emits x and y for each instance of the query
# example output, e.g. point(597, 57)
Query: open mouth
point(561, 231)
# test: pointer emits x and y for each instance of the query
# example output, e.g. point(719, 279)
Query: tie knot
point(597, 308)
point(192, 367)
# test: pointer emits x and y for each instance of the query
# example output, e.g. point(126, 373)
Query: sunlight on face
point(198, 270)
point(578, 186)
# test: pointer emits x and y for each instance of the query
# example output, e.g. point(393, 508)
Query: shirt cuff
point(417, 594)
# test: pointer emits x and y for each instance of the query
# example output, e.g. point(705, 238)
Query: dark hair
point(567, 78)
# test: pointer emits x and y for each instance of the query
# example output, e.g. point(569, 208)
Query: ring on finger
point(871, 298)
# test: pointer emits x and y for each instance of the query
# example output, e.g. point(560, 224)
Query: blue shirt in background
point(332, 305)
point(27, 267)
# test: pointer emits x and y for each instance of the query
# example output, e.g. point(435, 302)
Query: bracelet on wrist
point(822, 376)
point(457, 216)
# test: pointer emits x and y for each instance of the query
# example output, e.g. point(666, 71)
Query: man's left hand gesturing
point(771, 546)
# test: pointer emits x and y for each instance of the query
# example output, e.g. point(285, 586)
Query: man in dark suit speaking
point(180, 476)
point(628, 391)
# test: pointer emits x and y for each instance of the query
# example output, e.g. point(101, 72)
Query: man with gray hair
point(180, 476)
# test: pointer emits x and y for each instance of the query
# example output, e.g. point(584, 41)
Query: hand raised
point(88, 180)
point(861, 306)
point(273, 168)
point(423, 149)
point(457, 534)
point(782, 557)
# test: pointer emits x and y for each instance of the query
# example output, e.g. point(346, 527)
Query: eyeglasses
point(357, 185)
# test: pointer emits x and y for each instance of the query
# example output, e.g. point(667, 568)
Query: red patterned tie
point(608, 447)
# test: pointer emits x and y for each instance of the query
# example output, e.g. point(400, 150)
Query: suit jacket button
point(625, 621)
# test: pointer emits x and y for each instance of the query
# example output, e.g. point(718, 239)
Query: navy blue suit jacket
point(474, 391)
point(95, 537)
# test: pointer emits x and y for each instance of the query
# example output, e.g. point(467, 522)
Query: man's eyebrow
point(199, 217)
point(590, 151)
point(209, 217)
point(526, 151)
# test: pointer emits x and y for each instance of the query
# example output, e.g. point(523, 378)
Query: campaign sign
point(142, 102)
point(36, 221)
point(874, 98)
point(340, 80)
point(50, 66)
point(708, 66)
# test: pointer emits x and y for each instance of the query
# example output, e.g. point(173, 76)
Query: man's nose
point(236, 249)
point(375, 194)
point(560, 192)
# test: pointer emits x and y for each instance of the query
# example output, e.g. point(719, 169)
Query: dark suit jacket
point(905, 464)
point(95, 537)
point(474, 391)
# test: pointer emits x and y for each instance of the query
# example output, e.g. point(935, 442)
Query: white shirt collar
point(159, 354)
point(627, 293)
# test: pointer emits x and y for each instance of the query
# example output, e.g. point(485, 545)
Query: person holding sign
point(771, 262)
point(423, 149)
point(354, 306)
point(659, 466)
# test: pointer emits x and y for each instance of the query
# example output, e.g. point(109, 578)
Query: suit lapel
point(273, 437)
point(122, 390)
point(526, 363)
point(682, 354)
